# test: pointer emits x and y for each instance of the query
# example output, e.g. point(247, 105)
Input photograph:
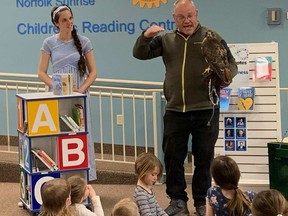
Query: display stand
point(48, 147)
point(262, 124)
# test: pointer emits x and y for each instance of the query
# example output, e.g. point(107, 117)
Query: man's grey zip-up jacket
point(184, 87)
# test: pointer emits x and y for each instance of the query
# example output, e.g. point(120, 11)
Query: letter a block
point(43, 117)
point(72, 152)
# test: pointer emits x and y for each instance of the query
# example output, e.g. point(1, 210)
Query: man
point(240, 133)
point(191, 107)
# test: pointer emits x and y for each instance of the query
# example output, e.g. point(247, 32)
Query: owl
point(215, 55)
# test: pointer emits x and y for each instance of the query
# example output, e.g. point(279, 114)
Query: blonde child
point(125, 207)
point(80, 191)
point(148, 169)
point(55, 198)
point(269, 202)
point(225, 198)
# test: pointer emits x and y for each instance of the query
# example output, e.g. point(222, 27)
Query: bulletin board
point(260, 125)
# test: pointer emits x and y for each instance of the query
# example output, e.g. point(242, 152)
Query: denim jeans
point(177, 129)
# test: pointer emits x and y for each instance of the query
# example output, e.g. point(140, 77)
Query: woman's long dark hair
point(55, 19)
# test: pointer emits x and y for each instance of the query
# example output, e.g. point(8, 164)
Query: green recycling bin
point(278, 167)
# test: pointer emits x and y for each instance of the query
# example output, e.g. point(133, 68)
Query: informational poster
point(235, 134)
point(241, 55)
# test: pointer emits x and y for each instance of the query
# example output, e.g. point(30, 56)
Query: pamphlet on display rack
point(263, 69)
point(225, 94)
point(246, 98)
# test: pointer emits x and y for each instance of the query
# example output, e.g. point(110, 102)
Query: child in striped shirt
point(148, 169)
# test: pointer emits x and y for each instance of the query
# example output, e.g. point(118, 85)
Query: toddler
point(125, 207)
point(80, 191)
point(55, 196)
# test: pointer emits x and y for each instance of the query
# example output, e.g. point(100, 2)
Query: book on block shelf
point(78, 116)
point(62, 84)
point(44, 158)
point(70, 123)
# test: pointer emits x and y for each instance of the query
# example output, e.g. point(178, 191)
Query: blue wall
point(237, 21)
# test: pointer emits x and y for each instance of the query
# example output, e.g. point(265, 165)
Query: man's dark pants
point(177, 129)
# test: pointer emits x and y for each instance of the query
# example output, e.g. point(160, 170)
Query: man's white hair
point(178, 1)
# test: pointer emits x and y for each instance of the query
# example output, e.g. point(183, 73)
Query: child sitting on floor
point(55, 196)
point(80, 191)
point(125, 207)
point(148, 169)
point(269, 202)
point(225, 198)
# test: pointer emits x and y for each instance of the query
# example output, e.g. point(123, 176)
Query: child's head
point(79, 191)
point(269, 202)
point(225, 172)
point(147, 163)
point(55, 197)
point(125, 207)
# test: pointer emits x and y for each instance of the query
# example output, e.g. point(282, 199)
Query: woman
point(70, 53)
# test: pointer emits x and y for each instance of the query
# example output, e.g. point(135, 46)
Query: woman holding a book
point(70, 53)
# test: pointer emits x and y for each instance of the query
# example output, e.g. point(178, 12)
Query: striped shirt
point(147, 203)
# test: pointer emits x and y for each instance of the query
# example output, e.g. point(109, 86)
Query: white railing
point(126, 115)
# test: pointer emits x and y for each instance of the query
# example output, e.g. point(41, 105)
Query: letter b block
point(72, 152)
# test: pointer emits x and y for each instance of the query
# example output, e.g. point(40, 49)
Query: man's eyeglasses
point(181, 18)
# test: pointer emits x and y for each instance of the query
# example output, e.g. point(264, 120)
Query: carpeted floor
point(115, 181)
point(110, 194)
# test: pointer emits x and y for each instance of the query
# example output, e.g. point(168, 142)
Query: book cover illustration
point(263, 69)
point(246, 98)
point(78, 116)
point(67, 84)
point(44, 158)
point(225, 94)
point(57, 84)
point(62, 84)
